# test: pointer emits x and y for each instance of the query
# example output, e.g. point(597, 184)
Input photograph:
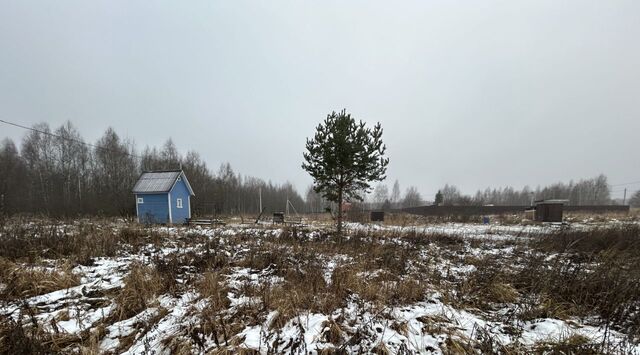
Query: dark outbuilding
point(549, 210)
point(377, 216)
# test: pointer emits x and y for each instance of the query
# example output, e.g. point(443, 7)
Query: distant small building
point(549, 210)
point(163, 197)
point(278, 217)
point(377, 216)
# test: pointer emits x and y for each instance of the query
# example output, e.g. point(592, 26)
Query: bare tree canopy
point(412, 197)
point(594, 191)
point(57, 174)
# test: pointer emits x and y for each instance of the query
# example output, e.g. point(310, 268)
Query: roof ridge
point(162, 171)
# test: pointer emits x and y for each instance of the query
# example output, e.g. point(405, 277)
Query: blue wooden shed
point(163, 197)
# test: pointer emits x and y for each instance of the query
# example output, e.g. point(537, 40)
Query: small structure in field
point(377, 216)
point(163, 197)
point(549, 210)
point(278, 217)
point(530, 213)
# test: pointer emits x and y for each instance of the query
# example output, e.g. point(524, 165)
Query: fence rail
point(498, 210)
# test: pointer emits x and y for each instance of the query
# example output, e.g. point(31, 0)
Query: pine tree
point(395, 193)
point(439, 199)
point(634, 201)
point(343, 158)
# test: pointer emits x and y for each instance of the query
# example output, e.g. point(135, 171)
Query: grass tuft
point(141, 287)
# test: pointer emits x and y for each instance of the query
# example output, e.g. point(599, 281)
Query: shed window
point(179, 203)
point(140, 200)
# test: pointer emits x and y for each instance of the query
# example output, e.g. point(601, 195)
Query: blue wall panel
point(154, 208)
point(180, 191)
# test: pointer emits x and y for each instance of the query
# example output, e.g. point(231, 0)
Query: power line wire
point(627, 183)
point(69, 139)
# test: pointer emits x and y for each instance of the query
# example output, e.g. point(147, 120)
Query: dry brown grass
point(592, 274)
point(27, 281)
point(487, 287)
point(21, 240)
point(380, 349)
point(620, 240)
point(18, 338)
point(14, 339)
point(333, 333)
point(141, 287)
point(213, 288)
point(604, 217)
point(573, 344)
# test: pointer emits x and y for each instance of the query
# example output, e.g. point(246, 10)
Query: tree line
point(592, 191)
point(55, 172)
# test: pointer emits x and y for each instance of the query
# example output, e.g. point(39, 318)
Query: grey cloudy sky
point(476, 94)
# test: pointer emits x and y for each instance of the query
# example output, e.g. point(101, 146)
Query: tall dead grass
point(31, 241)
point(596, 272)
point(26, 281)
point(592, 273)
point(15, 339)
point(141, 287)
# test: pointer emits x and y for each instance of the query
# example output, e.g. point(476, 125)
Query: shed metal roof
point(159, 181)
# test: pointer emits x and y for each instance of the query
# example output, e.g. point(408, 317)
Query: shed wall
point(549, 212)
point(154, 209)
point(180, 190)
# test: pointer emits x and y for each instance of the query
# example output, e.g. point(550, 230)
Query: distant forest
point(594, 191)
point(54, 172)
point(57, 174)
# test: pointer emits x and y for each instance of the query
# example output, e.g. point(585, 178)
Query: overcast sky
point(476, 94)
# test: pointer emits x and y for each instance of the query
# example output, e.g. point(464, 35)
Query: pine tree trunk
point(340, 213)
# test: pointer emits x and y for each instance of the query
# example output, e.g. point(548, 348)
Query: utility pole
point(260, 193)
point(624, 199)
point(287, 206)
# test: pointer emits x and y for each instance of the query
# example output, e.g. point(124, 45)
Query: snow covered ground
point(390, 289)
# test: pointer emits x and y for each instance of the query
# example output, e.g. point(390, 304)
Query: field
point(407, 286)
